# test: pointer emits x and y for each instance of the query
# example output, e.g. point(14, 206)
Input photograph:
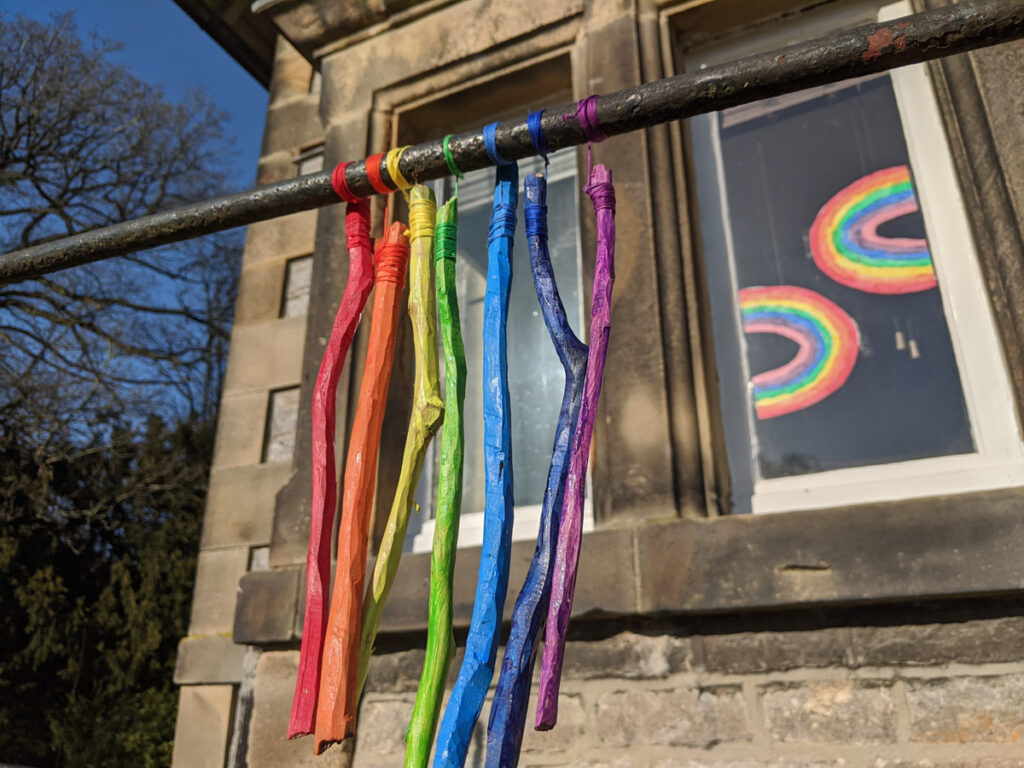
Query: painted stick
point(427, 414)
point(512, 696)
point(440, 641)
point(325, 491)
point(470, 689)
point(570, 533)
point(336, 705)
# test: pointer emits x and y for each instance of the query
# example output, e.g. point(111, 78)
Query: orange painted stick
point(336, 706)
point(325, 492)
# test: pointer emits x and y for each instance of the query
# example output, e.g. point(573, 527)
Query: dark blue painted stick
point(467, 697)
point(512, 697)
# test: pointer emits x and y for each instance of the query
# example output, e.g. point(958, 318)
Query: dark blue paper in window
point(869, 294)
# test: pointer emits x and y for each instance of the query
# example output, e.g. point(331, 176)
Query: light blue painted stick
point(467, 697)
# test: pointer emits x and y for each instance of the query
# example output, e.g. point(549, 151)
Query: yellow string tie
point(391, 162)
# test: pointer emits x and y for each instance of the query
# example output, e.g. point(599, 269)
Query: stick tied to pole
point(336, 705)
point(440, 640)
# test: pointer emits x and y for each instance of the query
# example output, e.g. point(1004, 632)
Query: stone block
point(967, 709)
point(213, 603)
point(267, 603)
point(269, 746)
point(260, 289)
point(627, 655)
point(240, 505)
point(282, 238)
point(977, 641)
point(695, 717)
point(746, 652)
point(842, 710)
point(210, 659)
point(382, 725)
point(266, 355)
point(240, 425)
point(294, 124)
point(201, 730)
point(395, 672)
point(995, 762)
point(568, 736)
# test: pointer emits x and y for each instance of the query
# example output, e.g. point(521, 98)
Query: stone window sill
point(963, 546)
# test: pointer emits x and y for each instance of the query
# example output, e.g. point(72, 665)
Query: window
point(282, 417)
point(310, 160)
point(856, 354)
point(298, 278)
point(535, 374)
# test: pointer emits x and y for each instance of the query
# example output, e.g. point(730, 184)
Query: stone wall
point(941, 691)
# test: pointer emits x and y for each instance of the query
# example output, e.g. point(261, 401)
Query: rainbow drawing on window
point(828, 341)
point(847, 247)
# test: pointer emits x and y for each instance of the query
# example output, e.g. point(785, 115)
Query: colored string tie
point(449, 160)
point(446, 238)
point(586, 115)
point(340, 184)
point(602, 193)
point(391, 163)
point(491, 147)
point(540, 141)
point(503, 223)
point(535, 216)
point(391, 263)
point(421, 216)
point(373, 174)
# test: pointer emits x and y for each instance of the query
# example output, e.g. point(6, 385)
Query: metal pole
point(865, 50)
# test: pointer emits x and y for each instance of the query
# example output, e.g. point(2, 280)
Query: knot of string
point(390, 263)
point(535, 217)
point(586, 114)
point(340, 184)
point(373, 169)
point(447, 239)
point(357, 227)
point(491, 147)
point(422, 217)
point(391, 163)
point(540, 141)
point(602, 193)
point(503, 223)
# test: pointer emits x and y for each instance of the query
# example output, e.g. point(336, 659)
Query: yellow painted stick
point(427, 414)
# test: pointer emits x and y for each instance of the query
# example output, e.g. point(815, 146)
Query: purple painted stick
point(570, 534)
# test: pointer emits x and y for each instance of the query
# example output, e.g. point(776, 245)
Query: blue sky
point(162, 45)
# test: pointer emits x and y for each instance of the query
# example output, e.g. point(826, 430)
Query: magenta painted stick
point(570, 534)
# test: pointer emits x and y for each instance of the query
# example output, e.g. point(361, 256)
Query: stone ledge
point(921, 548)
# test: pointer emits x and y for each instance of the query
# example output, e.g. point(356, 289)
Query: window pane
point(279, 442)
point(297, 281)
point(535, 374)
point(830, 332)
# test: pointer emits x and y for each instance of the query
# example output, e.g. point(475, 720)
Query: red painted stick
point(325, 491)
point(336, 706)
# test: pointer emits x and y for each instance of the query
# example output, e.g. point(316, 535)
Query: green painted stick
point(440, 641)
point(427, 415)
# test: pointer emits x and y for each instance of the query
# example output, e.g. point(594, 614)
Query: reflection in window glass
point(830, 333)
point(536, 379)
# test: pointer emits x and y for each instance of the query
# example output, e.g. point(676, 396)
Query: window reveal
point(535, 373)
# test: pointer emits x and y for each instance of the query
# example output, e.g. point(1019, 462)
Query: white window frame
point(998, 461)
point(477, 190)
